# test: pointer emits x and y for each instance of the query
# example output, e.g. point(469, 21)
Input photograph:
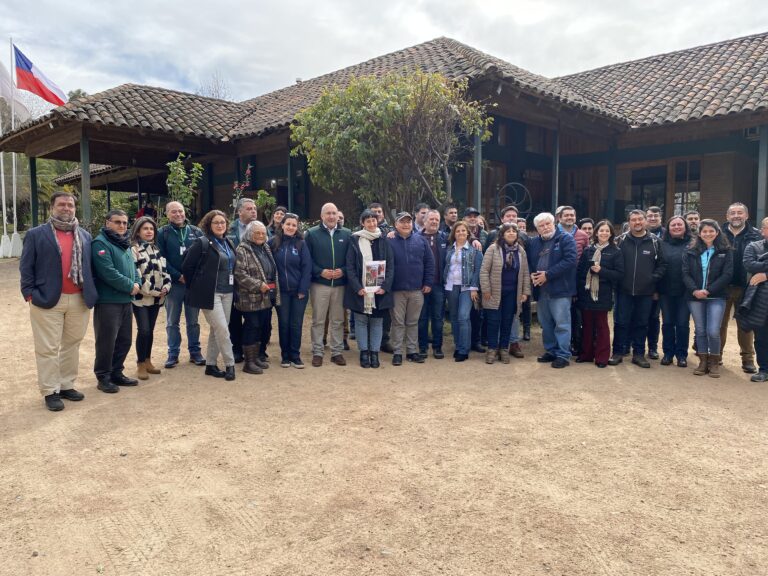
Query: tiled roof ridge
point(721, 43)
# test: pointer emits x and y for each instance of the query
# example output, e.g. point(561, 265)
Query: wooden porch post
point(290, 181)
point(762, 174)
point(610, 209)
point(33, 199)
point(555, 170)
point(85, 178)
point(478, 173)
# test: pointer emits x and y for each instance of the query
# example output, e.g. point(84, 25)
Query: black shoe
point(346, 344)
point(653, 354)
point(546, 357)
point(53, 402)
point(666, 360)
point(580, 360)
point(397, 360)
point(238, 357)
point(171, 361)
point(749, 368)
point(527, 334)
point(72, 395)
point(438, 353)
point(460, 357)
point(478, 348)
point(106, 386)
point(365, 359)
point(297, 363)
point(375, 360)
point(213, 370)
point(285, 363)
point(639, 360)
point(122, 380)
point(601, 365)
point(387, 347)
point(415, 357)
point(759, 377)
point(423, 352)
point(682, 363)
point(196, 358)
point(229, 373)
point(352, 336)
point(616, 359)
point(560, 363)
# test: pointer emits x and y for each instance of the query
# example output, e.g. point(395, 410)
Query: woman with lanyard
point(369, 303)
point(258, 291)
point(209, 267)
point(461, 275)
point(505, 285)
point(707, 272)
point(600, 270)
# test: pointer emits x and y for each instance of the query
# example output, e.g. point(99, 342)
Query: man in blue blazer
point(57, 281)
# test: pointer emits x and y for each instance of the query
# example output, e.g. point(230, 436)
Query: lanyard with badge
point(182, 236)
point(225, 246)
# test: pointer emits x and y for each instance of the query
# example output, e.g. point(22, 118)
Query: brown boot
point(150, 367)
point(490, 356)
point(516, 351)
point(141, 371)
point(250, 356)
point(504, 356)
point(714, 366)
point(703, 366)
point(258, 360)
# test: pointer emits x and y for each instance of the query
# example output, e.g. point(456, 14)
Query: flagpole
point(15, 239)
point(5, 244)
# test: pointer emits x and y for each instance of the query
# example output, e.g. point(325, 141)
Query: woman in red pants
point(601, 267)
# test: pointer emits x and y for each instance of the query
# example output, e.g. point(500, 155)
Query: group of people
point(396, 283)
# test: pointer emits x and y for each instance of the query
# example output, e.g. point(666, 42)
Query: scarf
point(120, 240)
point(369, 300)
point(593, 280)
point(509, 255)
point(76, 264)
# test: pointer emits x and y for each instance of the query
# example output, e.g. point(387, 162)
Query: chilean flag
point(30, 78)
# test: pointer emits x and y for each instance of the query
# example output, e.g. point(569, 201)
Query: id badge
point(231, 279)
point(182, 249)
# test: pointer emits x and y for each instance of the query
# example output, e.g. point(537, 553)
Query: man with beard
point(117, 283)
point(693, 218)
point(739, 234)
point(57, 281)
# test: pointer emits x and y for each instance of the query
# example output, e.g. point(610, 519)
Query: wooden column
point(762, 175)
point(290, 181)
point(555, 170)
point(85, 179)
point(478, 173)
point(610, 209)
point(33, 200)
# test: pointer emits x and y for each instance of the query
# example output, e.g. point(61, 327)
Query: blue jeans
point(707, 317)
point(675, 327)
point(173, 304)
point(630, 323)
point(432, 314)
point(459, 306)
point(555, 319)
point(368, 332)
point(290, 318)
point(501, 320)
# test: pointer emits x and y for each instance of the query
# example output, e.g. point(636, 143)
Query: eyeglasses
point(291, 215)
point(219, 223)
point(119, 222)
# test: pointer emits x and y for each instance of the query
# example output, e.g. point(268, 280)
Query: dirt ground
point(438, 468)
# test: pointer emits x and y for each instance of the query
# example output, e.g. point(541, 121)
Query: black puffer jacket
point(739, 244)
point(200, 269)
point(611, 273)
point(671, 283)
point(719, 273)
point(644, 263)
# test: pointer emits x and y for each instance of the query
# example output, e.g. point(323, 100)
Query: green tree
point(182, 182)
point(395, 139)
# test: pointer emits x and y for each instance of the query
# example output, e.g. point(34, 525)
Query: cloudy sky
point(262, 45)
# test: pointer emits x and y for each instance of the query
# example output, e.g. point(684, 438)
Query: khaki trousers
point(327, 301)
point(405, 320)
point(746, 339)
point(57, 334)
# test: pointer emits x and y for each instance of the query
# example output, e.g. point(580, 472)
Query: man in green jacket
point(116, 283)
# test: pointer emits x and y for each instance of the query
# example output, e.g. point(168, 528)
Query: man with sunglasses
point(116, 283)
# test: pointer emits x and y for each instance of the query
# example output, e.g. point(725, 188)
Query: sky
point(260, 46)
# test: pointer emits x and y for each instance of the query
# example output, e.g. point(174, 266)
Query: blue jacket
point(414, 264)
point(294, 264)
point(471, 262)
point(561, 271)
point(169, 244)
point(40, 268)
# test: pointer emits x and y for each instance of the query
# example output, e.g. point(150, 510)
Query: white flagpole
point(5, 245)
point(15, 239)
